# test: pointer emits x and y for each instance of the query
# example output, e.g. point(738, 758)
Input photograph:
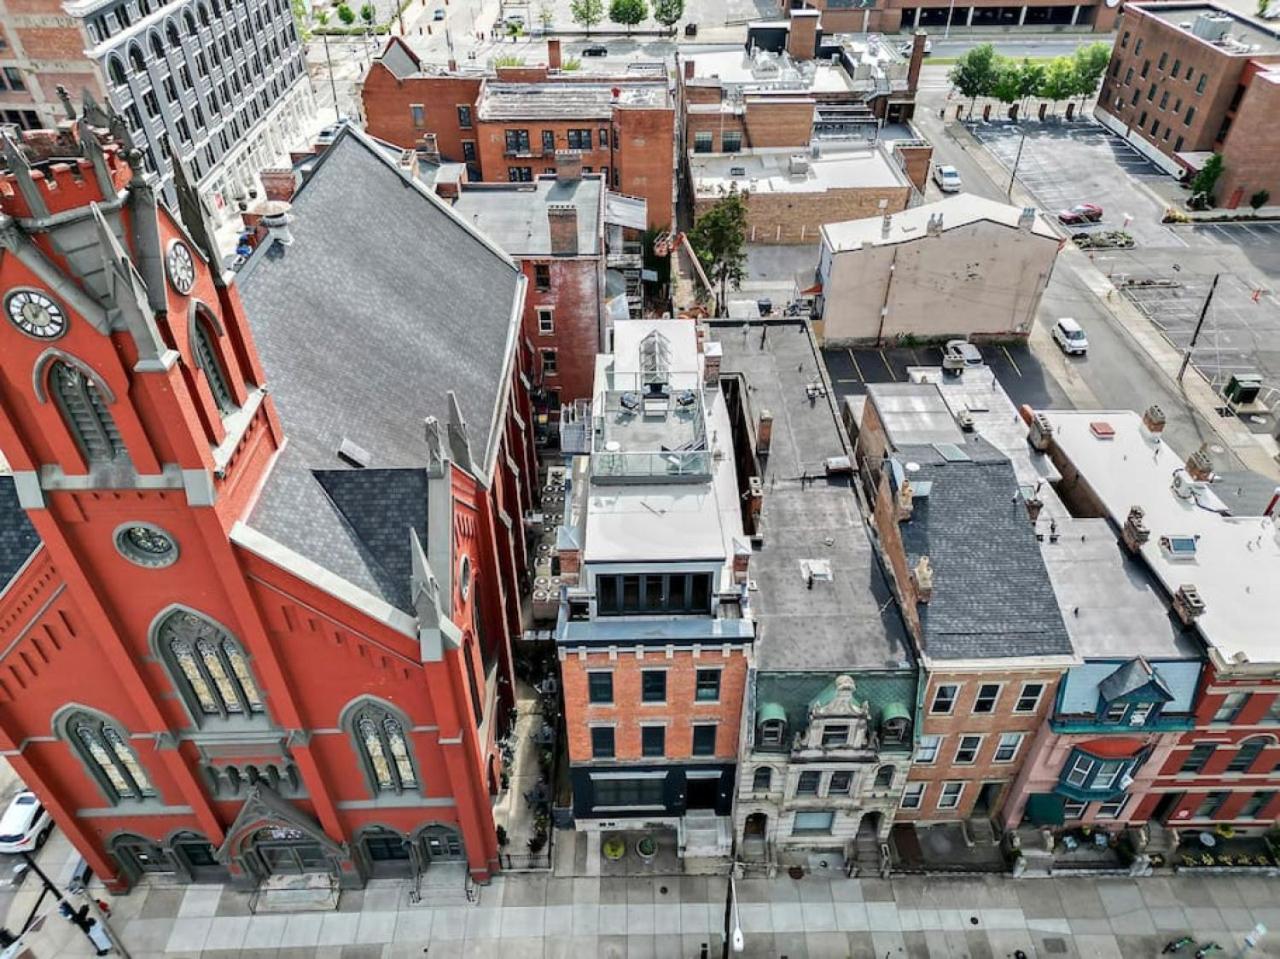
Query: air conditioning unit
point(737, 171)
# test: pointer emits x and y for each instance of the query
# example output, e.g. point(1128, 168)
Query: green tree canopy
point(1030, 77)
point(1204, 181)
point(367, 13)
point(974, 73)
point(1007, 83)
point(587, 13)
point(1059, 80)
point(628, 12)
point(668, 12)
point(1088, 66)
point(719, 239)
point(346, 14)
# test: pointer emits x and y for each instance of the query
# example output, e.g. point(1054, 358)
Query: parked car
point(948, 178)
point(596, 51)
point(1069, 336)
point(439, 14)
point(25, 825)
point(1081, 213)
point(905, 48)
point(959, 354)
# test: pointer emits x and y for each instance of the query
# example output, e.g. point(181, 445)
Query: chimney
point(741, 563)
point(764, 432)
point(562, 218)
point(553, 54)
point(568, 167)
point(886, 224)
point(1027, 218)
point(1199, 466)
point(407, 162)
point(918, 42)
point(278, 183)
point(934, 226)
point(570, 566)
point(711, 353)
point(429, 148)
point(1188, 604)
point(1034, 505)
point(922, 579)
point(802, 38)
point(906, 502)
point(1135, 532)
point(688, 70)
point(755, 502)
point(1153, 420)
point(276, 220)
point(1040, 436)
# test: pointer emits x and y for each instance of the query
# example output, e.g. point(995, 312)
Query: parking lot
point(1064, 164)
point(1017, 369)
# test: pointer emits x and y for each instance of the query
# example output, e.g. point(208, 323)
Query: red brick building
point(1187, 80)
point(508, 126)
point(256, 600)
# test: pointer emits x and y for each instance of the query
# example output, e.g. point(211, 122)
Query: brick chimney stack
point(562, 218)
point(278, 183)
point(689, 72)
point(802, 38)
point(553, 54)
point(917, 60)
point(568, 167)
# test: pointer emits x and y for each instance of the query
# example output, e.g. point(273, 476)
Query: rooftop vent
point(354, 454)
point(816, 570)
point(798, 164)
point(1180, 549)
point(737, 171)
point(1188, 604)
point(1102, 430)
point(1211, 26)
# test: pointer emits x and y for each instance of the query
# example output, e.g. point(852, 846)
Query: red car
point(1081, 213)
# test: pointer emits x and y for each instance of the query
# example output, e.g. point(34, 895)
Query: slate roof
point(1130, 677)
point(18, 538)
point(399, 59)
point(992, 597)
point(384, 302)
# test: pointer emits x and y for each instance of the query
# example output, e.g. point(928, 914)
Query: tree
point(367, 13)
point(587, 13)
point(628, 12)
point(974, 72)
point(1259, 199)
point(1030, 79)
point(1204, 181)
point(546, 16)
point(1059, 80)
point(1088, 66)
point(514, 29)
point(346, 14)
point(719, 239)
point(1006, 86)
point(668, 12)
point(322, 17)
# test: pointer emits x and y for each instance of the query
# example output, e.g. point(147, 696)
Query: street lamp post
point(1195, 335)
point(1013, 174)
point(333, 87)
point(951, 8)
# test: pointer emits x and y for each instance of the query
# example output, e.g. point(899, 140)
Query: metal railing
point(664, 465)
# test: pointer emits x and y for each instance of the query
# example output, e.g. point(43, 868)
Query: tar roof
point(568, 101)
point(383, 304)
point(18, 538)
point(851, 620)
point(957, 211)
point(992, 597)
point(514, 215)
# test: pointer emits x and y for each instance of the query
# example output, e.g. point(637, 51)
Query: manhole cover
point(1055, 945)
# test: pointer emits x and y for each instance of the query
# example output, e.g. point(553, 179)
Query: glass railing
point(691, 464)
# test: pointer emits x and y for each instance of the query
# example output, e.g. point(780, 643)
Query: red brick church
point(261, 542)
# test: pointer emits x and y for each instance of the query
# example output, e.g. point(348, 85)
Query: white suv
point(947, 178)
point(1069, 336)
point(25, 825)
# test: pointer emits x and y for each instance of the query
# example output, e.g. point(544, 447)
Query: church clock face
point(180, 266)
point(36, 314)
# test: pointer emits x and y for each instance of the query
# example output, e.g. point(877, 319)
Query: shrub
point(346, 14)
point(1259, 199)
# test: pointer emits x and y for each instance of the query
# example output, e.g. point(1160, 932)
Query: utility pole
point(104, 940)
point(333, 87)
point(884, 307)
point(1013, 174)
point(1195, 335)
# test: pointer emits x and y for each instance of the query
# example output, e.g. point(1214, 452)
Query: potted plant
point(614, 848)
point(646, 847)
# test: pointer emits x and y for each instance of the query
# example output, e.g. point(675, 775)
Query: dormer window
point(835, 734)
point(1115, 712)
point(772, 732)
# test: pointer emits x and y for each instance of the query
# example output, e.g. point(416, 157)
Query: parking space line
point(856, 368)
point(885, 360)
point(1012, 361)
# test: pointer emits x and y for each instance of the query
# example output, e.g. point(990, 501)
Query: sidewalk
point(535, 917)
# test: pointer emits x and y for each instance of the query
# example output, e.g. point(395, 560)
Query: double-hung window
point(927, 750)
point(944, 698)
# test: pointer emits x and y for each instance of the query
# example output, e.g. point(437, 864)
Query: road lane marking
point(885, 360)
point(856, 368)
point(1012, 361)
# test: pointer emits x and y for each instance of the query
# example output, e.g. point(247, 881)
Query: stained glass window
point(110, 757)
point(385, 749)
point(215, 669)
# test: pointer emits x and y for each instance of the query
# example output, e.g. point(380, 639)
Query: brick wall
point(915, 162)
point(680, 712)
point(495, 164)
point(779, 121)
point(1253, 143)
point(386, 102)
point(796, 217)
point(645, 159)
point(574, 297)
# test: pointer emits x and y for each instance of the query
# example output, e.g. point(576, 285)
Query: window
point(600, 687)
point(913, 796)
point(1128, 76)
point(1191, 115)
point(807, 784)
point(1124, 39)
point(1109, 771)
point(548, 142)
point(1137, 47)
point(702, 142)
point(604, 175)
point(1073, 808)
point(1249, 750)
point(771, 732)
point(1177, 144)
point(762, 779)
point(653, 593)
point(1115, 712)
point(1112, 809)
point(208, 360)
point(1200, 84)
point(927, 749)
point(1134, 99)
point(550, 365)
point(13, 77)
point(517, 141)
point(1146, 67)
point(1210, 804)
point(1081, 770)
point(707, 689)
point(1029, 698)
point(419, 114)
point(1142, 119)
point(1164, 58)
point(840, 783)
point(468, 151)
point(542, 277)
point(520, 174)
point(628, 792)
point(1257, 802)
point(967, 750)
point(104, 748)
point(1230, 706)
point(1272, 716)
point(884, 777)
point(1151, 92)
point(546, 320)
point(381, 743)
point(85, 414)
point(1197, 758)
point(601, 742)
point(1007, 748)
point(951, 793)
point(1177, 105)
point(604, 137)
point(985, 702)
point(209, 667)
point(1140, 711)
point(1177, 66)
point(464, 117)
point(579, 139)
point(1164, 99)
point(835, 734)
point(653, 686)
point(704, 740)
point(653, 741)
point(731, 142)
point(944, 698)
point(813, 821)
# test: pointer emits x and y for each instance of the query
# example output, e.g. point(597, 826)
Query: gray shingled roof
point(384, 302)
point(18, 538)
point(992, 597)
point(399, 59)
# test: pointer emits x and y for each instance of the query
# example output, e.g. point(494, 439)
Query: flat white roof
point(913, 224)
point(766, 72)
point(1235, 565)
point(769, 171)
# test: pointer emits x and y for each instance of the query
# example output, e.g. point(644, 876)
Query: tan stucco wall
point(982, 280)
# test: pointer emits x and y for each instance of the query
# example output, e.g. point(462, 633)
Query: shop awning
point(1044, 809)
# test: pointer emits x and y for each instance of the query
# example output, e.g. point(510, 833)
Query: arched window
point(762, 780)
point(171, 31)
point(207, 359)
point(1248, 752)
point(209, 667)
point(189, 21)
point(115, 70)
point(106, 751)
point(85, 413)
point(204, 15)
point(137, 61)
point(157, 48)
point(884, 777)
point(381, 743)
